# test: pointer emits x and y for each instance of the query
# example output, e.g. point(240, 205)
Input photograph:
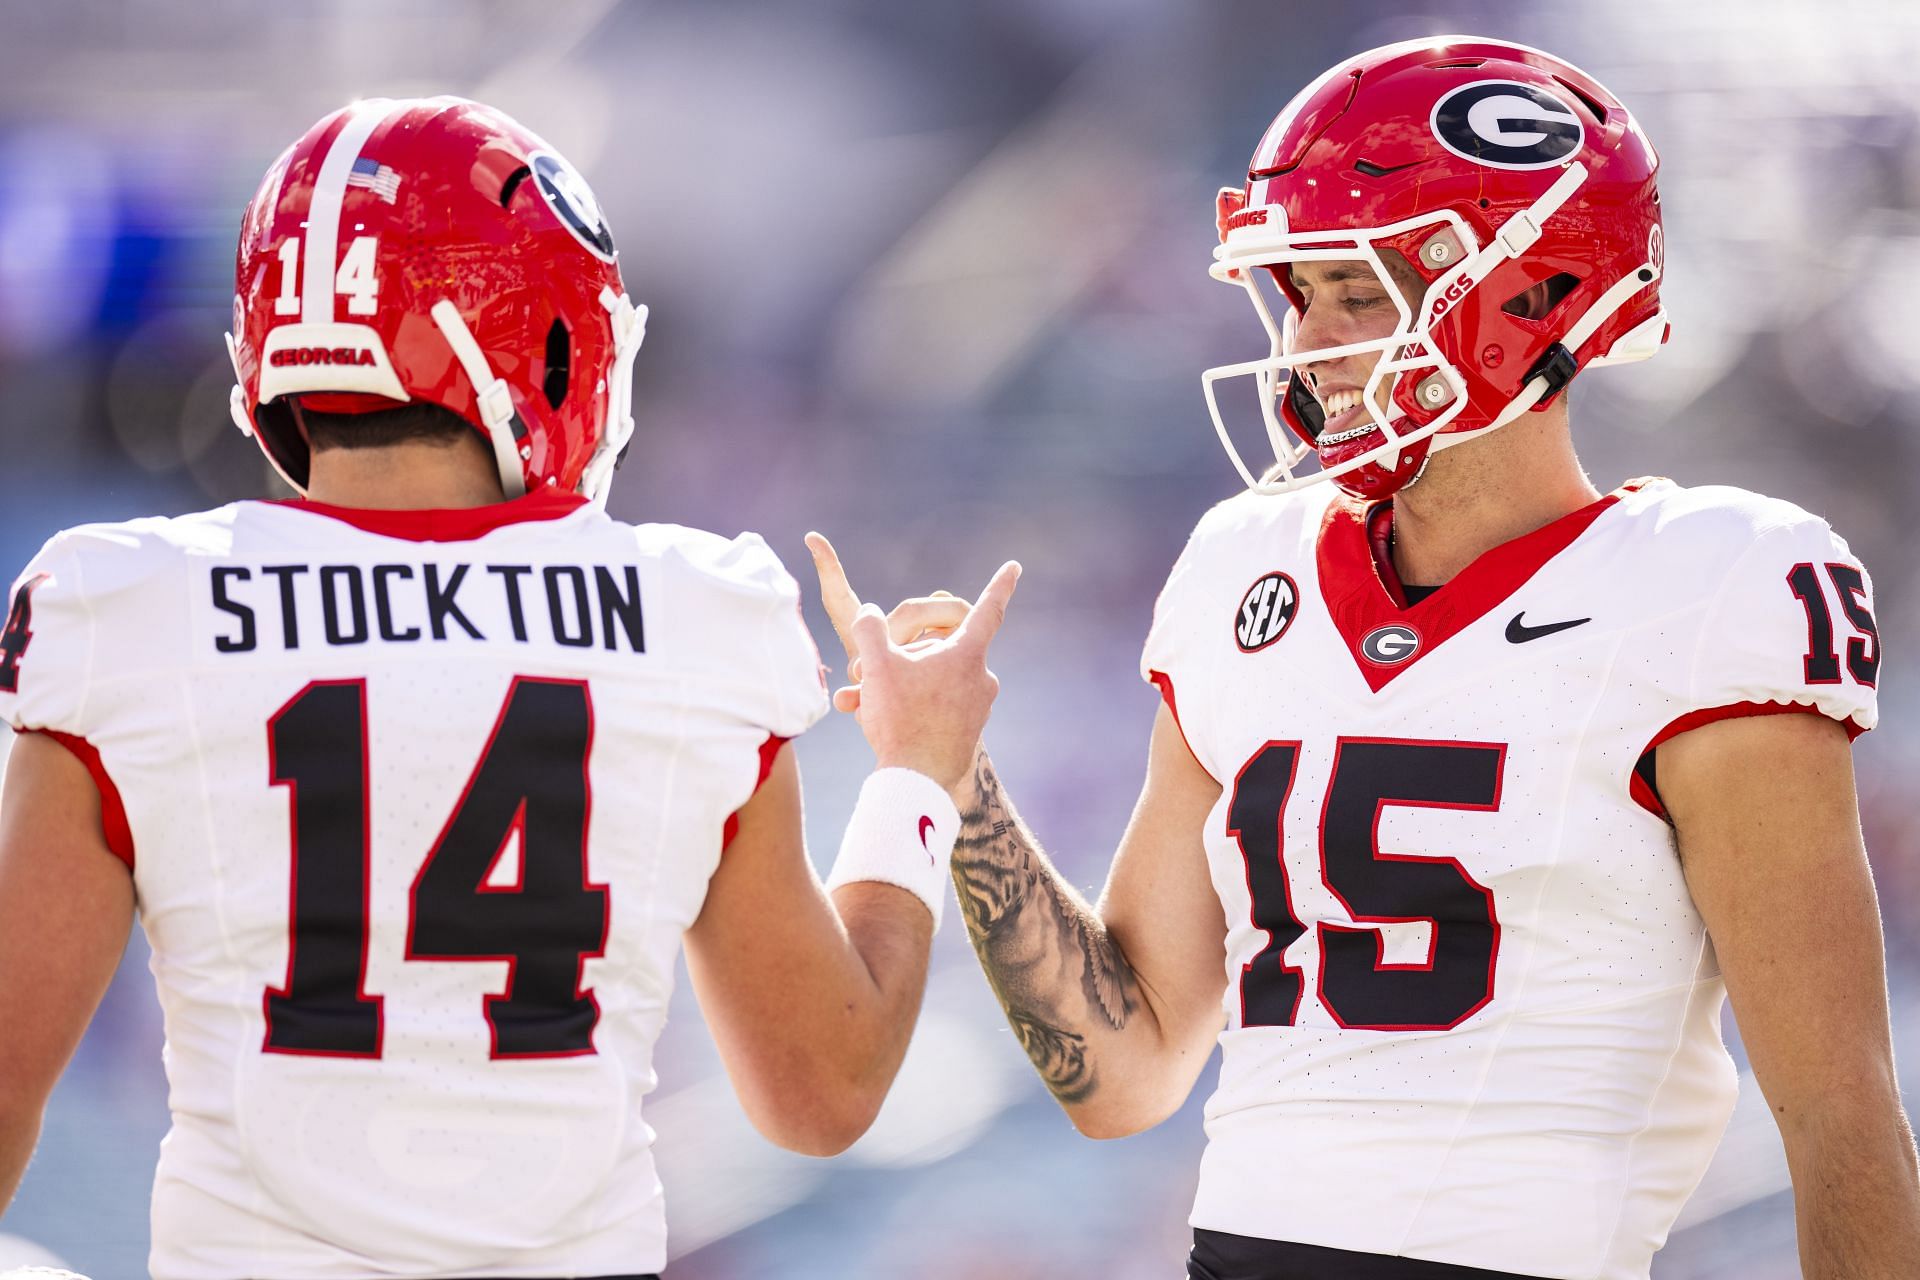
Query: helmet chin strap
point(504, 428)
point(1634, 346)
point(629, 331)
point(1514, 238)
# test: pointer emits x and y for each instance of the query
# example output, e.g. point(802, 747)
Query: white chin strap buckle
point(629, 325)
point(494, 399)
point(237, 401)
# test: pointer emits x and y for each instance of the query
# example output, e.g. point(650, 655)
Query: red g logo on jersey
point(1265, 613)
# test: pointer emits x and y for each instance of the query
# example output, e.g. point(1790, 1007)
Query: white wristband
point(901, 833)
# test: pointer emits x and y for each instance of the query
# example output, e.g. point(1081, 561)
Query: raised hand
point(920, 686)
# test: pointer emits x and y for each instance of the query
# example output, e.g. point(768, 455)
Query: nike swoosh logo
point(926, 825)
point(1519, 632)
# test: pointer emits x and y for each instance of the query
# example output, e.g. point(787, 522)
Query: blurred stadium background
point(930, 277)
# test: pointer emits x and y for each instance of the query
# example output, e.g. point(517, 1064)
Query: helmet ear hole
point(1536, 302)
point(512, 184)
point(559, 359)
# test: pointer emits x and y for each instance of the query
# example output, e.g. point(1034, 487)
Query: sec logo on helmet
point(1507, 125)
point(1265, 612)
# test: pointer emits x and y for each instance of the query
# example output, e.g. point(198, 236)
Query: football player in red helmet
point(1475, 791)
point(1514, 240)
point(421, 780)
point(477, 275)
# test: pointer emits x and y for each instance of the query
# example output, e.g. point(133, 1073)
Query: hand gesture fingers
point(984, 619)
point(924, 705)
point(917, 676)
point(871, 643)
point(926, 617)
point(866, 638)
point(836, 593)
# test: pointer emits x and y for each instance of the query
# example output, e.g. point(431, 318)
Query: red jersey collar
point(1363, 594)
point(462, 524)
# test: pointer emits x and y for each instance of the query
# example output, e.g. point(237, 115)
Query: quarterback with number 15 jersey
point(1468, 986)
point(1475, 791)
point(1451, 896)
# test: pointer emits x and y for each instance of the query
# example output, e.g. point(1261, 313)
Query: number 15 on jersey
point(1358, 987)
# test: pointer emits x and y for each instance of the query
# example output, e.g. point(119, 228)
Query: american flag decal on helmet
point(375, 177)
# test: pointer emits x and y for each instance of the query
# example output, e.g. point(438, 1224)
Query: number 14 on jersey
point(530, 783)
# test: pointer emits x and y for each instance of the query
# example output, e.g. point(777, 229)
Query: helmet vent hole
point(1587, 100)
point(559, 356)
point(1456, 65)
point(512, 184)
point(1538, 301)
point(1372, 170)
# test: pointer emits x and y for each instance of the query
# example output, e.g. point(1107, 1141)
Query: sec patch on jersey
point(1265, 612)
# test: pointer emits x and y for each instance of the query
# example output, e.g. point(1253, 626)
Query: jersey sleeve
point(46, 645)
point(1174, 653)
point(756, 641)
point(1166, 637)
point(1792, 628)
point(797, 680)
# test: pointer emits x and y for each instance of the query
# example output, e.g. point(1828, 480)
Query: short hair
point(381, 427)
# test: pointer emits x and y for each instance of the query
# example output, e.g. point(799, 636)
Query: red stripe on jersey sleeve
point(768, 751)
point(1649, 799)
point(113, 814)
point(1165, 684)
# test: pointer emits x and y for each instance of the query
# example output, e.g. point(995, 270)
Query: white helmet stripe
point(323, 212)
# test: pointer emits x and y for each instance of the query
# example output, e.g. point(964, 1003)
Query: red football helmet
point(433, 249)
point(1500, 174)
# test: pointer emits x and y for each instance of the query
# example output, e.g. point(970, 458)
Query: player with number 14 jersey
point(423, 784)
point(414, 922)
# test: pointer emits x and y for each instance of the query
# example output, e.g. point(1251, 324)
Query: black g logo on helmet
point(1507, 125)
point(571, 200)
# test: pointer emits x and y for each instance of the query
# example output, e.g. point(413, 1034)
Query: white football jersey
point(1472, 1013)
point(418, 807)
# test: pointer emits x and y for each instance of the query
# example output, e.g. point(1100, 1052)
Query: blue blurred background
point(931, 277)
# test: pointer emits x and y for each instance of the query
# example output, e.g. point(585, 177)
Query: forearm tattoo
point(1048, 958)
